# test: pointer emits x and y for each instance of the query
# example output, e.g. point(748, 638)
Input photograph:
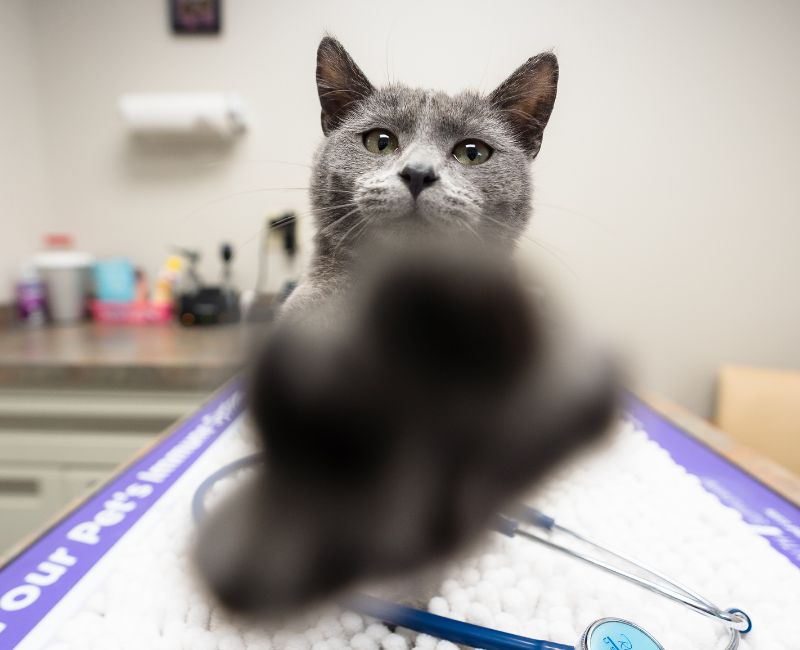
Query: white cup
point(66, 276)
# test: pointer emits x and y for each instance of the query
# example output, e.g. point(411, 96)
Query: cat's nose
point(417, 177)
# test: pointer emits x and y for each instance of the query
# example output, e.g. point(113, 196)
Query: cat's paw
point(452, 323)
point(319, 409)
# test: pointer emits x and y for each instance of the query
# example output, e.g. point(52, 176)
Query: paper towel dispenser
point(184, 114)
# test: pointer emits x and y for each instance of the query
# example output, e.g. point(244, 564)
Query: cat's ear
point(340, 83)
point(526, 99)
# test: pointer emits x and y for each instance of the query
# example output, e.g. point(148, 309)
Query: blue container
point(114, 280)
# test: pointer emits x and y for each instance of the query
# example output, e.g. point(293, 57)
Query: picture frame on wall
point(196, 16)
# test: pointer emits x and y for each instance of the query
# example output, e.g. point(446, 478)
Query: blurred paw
point(452, 322)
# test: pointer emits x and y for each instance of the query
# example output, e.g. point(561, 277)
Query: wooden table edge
point(775, 476)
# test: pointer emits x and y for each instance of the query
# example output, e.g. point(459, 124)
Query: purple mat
point(772, 516)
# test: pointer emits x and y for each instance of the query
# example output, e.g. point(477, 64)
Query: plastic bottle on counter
point(31, 296)
point(167, 283)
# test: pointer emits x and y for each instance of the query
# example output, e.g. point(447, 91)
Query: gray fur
point(358, 196)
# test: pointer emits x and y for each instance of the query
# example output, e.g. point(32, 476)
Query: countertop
point(152, 357)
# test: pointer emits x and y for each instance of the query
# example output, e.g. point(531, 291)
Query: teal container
point(114, 280)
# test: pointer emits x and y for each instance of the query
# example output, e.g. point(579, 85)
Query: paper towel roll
point(188, 114)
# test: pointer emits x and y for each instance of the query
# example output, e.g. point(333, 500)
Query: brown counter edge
point(767, 471)
point(26, 541)
point(79, 376)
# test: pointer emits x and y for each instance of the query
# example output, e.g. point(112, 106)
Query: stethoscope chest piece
point(617, 634)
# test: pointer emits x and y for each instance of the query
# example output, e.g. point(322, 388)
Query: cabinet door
point(28, 497)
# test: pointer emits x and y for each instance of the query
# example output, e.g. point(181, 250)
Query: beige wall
point(667, 197)
point(24, 210)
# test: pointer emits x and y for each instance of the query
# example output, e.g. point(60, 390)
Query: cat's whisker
point(250, 239)
point(470, 228)
point(331, 208)
point(333, 215)
point(338, 221)
point(181, 220)
point(577, 213)
point(346, 234)
point(535, 242)
point(548, 248)
point(361, 231)
point(218, 162)
point(339, 194)
point(310, 213)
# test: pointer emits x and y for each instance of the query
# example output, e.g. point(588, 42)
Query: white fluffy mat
point(630, 496)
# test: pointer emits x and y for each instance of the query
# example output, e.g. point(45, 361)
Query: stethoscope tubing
point(450, 629)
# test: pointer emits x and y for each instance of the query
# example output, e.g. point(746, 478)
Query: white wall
point(666, 187)
point(24, 210)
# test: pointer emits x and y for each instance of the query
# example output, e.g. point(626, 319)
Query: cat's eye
point(472, 152)
point(380, 141)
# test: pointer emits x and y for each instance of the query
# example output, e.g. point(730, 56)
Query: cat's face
point(417, 180)
point(402, 160)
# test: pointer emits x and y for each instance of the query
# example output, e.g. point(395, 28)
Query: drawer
point(70, 447)
point(28, 497)
point(93, 410)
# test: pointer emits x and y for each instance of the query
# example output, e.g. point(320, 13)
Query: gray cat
point(434, 392)
point(397, 161)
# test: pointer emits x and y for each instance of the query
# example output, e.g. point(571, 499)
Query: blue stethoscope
point(522, 521)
